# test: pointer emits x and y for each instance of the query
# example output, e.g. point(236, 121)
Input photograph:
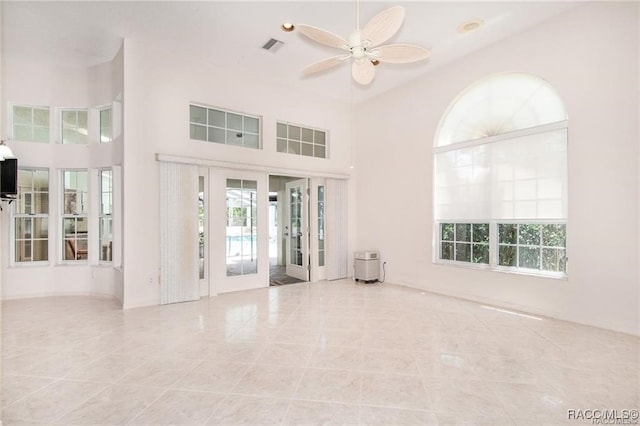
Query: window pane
point(41, 180)
point(554, 235)
point(41, 134)
point(217, 118)
point(251, 125)
point(319, 151)
point(217, 135)
point(480, 232)
point(554, 260)
point(463, 232)
point(41, 117)
point(234, 138)
point(23, 228)
point(307, 149)
point(463, 252)
point(481, 253)
point(507, 233)
point(281, 130)
point(40, 227)
point(251, 141)
point(529, 234)
point(507, 255)
point(24, 251)
point(294, 147)
point(40, 250)
point(22, 133)
point(22, 115)
point(281, 145)
point(446, 231)
point(106, 132)
point(447, 251)
point(234, 121)
point(197, 114)
point(198, 132)
point(529, 257)
point(307, 135)
point(242, 232)
point(294, 132)
point(319, 137)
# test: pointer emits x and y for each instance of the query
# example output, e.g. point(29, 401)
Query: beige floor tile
point(17, 387)
point(321, 413)
point(178, 407)
point(287, 354)
point(250, 411)
point(275, 381)
point(115, 405)
point(52, 401)
point(212, 376)
point(330, 385)
point(384, 416)
point(160, 372)
point(394, 390)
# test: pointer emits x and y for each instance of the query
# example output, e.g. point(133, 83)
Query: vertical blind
point(336, 225)
point(178, 233)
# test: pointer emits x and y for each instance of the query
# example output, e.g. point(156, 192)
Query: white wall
point(159, 85)
point(28, 81)
point(590, 55)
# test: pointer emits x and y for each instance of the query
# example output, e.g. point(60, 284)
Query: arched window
point(500, 181)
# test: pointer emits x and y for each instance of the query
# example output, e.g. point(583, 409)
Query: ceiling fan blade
point(322, 36)
point(400, 53)
point(324, 64)
point(383, 26)
point(363, 71)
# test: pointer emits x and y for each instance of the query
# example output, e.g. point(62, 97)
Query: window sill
point(488, 268)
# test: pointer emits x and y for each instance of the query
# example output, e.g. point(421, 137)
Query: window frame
point(75, 216)
point(32, 125)
point(15, 215)
point(443, 146)
point(100, 110)
point(61, 127)
point(103, 216)
point(226, 129)
point(288, 140)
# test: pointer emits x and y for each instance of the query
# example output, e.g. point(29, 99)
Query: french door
point(297, 229)
point(240, 226)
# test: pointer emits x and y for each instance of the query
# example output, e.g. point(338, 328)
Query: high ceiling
point(231, 34)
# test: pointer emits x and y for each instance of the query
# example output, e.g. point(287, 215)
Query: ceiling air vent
point(272, 45)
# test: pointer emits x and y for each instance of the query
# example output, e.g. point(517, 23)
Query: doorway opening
point(288, 230)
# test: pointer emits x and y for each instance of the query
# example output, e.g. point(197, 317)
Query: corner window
point(225, 127)
point(30, 123)
point(301, 140)
point(75, 203)
point(106, 124)
point(500, 181)
point(31, 216)
point(106, 215)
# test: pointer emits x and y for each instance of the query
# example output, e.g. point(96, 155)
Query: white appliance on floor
point(366, 266)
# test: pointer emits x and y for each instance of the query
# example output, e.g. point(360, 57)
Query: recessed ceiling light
point(470, 25)
point(287, 27)
point(375, 62)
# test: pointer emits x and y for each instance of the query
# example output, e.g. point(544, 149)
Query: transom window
point(74, 126)
point(294, 139)
point(30, 123)
point(226, 127)
point(500, 182)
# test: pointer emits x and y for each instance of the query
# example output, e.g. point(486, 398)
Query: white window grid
point(494, 244)
point(75, 207)
point(301, 140)
point(26, 215)
point(74, 126)
point(105, 216)
point(224, 126)
point(30, 123)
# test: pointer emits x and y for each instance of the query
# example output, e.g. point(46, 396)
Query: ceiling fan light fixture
point(470, 26)
point(375, 62)
point(287, 27)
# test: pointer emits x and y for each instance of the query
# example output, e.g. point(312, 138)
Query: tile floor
point(319, 353)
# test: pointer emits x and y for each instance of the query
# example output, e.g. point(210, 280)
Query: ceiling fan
point(364, 46)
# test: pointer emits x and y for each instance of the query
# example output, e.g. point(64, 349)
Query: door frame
point(301, 272)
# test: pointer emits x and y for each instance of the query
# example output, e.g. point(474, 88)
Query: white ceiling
point(230, 34)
